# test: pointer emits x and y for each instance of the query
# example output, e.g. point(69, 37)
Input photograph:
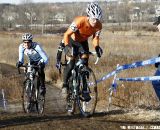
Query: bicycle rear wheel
point(26, 97)
point(87, 81)
point(40, 99)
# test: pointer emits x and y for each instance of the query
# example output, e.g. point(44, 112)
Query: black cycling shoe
point(86, 96)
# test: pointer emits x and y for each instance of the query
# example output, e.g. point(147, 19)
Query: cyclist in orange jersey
point(75, 41)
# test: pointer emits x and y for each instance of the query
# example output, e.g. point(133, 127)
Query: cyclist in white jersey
point(36, 56)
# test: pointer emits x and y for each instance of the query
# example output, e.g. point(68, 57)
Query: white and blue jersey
point(35, 53)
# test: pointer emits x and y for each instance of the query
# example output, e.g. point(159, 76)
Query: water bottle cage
point(81, 66)
point(74, 86)
point(30, 73)
point(75, 82)
point(82, 70)
point(27, 76)
point(31, 76)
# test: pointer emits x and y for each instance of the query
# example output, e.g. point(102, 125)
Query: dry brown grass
point(123, 48)
point(119, 48)
point(12, 87)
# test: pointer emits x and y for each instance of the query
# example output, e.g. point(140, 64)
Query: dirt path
point(55, 118)
point(54, 102)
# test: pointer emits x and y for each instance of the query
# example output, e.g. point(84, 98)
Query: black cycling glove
point(19, 64)
point(41, 64)
point(99, 51)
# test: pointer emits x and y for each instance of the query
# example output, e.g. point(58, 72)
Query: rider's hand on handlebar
point(19, 64)
point(41, 64)
point(68, 50)
point(99, 51)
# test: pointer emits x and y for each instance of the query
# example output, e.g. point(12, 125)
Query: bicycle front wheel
point(26, 97)
point(71, 102)
point(89, 85)
point(40, 104)
point(40, 99)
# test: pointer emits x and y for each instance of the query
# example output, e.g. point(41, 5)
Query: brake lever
point(96, 60)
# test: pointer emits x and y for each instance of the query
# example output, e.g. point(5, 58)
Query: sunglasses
point(26, 41)
point(94, 20)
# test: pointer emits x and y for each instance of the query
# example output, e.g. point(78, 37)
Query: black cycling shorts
point(76, 48)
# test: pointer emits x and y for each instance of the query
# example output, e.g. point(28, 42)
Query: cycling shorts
point(76, 48)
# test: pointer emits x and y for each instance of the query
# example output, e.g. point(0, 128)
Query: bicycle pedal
point(69, 108)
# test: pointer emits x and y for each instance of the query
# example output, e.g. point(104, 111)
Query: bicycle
point(31, 96)
point(82, 77)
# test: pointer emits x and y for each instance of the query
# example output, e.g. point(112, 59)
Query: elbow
point(46, 61)
point(66, 38)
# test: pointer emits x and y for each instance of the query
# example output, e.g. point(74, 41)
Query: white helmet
point(94, 11)
point(27, 37)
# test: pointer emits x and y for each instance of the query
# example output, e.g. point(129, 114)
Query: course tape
point(114, 85)
point(130, 66)
point(151, 78)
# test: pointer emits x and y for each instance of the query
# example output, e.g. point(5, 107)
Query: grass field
point(119, 48)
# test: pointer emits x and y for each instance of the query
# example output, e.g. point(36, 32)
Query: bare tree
point(44, 14)
point(28, 12)
point(9, 15)
point(75, 9)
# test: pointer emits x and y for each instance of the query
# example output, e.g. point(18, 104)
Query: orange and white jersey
point(80, 30)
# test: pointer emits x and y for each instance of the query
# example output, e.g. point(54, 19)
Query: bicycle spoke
point(27, 98)
point(40, 99)
point(40, 104)
point(70, 99)
point(87, 107)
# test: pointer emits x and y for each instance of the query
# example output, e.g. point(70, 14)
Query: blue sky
point(20, 1)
